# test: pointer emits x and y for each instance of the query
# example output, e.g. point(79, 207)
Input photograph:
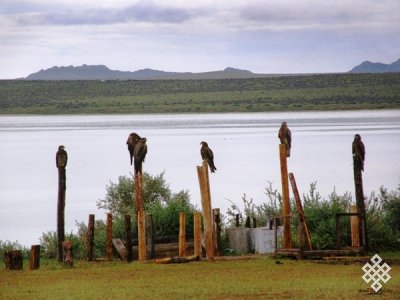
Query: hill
point(370, 67)
point(101, 72)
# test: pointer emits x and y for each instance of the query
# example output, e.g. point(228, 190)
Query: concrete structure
point(252, 240)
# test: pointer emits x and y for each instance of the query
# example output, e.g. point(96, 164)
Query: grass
point(259, 278)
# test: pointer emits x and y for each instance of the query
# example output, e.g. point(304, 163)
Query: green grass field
point(257, 278)
point(286, 93)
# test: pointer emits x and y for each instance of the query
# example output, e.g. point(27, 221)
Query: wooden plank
point(300, 210)
point(90, 238)
point(120, 248)
point(128, 237)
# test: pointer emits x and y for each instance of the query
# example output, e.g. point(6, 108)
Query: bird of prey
point(139, 154)
point(358, 152)
point(208, 156)
point(133, 138)
point(61, 157)
point(285, 137)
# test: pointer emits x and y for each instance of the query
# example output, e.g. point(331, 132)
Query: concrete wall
point(248, 240)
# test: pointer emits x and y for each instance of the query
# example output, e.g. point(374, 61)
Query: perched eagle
point(285, 137)
point(61, 157)
point(208, 156)
point(358, 152)
point(133, 138)
point(139, 154)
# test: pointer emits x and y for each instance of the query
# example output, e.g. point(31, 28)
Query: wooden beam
point(182, 234)
point(197, 233)
point(90, 238)
point(109, 244)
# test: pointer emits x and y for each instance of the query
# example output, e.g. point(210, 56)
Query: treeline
point(307, 92)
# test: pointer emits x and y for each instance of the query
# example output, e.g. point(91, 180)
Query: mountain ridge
point(102, 72)
point(376, 67)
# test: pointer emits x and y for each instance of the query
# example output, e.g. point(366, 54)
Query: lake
point(245, 145)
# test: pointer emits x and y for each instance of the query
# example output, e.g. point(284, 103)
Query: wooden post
point(90, 238)
point(300, 210)
point(358, 182)
point(276, 233)
point(128, 237)
point(217, 230)
point(109, 237)
point(247, 224)
point(182, 234)
point(204, 183)
point(355, 223)
point(142, 255)
point(287, 240)
point(151, 253)
point(254, 222)
point(60, 212)
point(197, 233)
point(237, 220)
point(13, 260)
point(34, 257)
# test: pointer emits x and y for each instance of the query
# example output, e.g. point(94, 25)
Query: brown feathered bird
point(61, 157)
point(285, 136)
point(139, 154)
point(358, 150)
point(133, 138)
point(208, 156)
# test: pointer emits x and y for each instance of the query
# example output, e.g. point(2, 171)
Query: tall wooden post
point(109, 237)
point(90, 238)
point(151, 253)
point(287, 239)
point(204, 183)
point(358, 182)
point(34, 257)
point(182, 234)
point(142, 255)
point(197, 233)
point(354, 225)
point(128, 237)
point(60, 212)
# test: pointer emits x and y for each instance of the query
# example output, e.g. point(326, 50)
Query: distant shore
point(273, 94)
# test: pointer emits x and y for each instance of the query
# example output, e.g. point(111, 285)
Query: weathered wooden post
point(287, 239)
point(300, 210)
point(182, 234)
point(90, 238)
point(61, 163)
point(248, 223)
point(34, 257)
point(109, 243)
point(254, 222)
point(13, 260)
point(150, 245)
point(128, 237)
point(358, 151)
point(217, 230)
point(197, 233)
point(237, 223)
point(202, 172)
point(354, 225)
point(142, 255)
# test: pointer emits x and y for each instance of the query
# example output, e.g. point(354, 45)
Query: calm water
point(245, 148)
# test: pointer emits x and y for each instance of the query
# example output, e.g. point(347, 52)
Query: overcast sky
point(269, 36)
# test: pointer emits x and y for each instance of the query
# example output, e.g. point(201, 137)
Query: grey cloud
point(145, 11)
